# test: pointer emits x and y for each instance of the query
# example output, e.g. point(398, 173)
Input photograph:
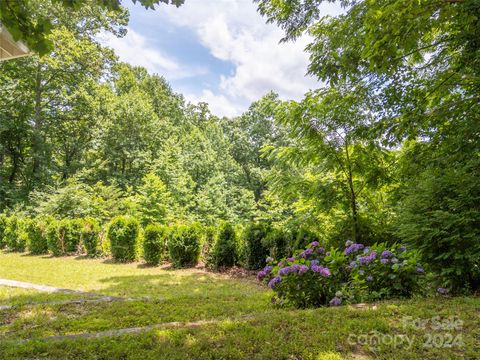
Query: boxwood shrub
point(90, 230)
point(3, 225)
point(184, 245)
point(225, 248)
point(255, 251)
point(54, 245)
point(123, 235)
point(210, 234)
point(36, 235)
point(154, 239)
point(63, 236)
point(15, 236)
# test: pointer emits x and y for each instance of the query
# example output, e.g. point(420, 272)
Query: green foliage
point(313, 277)
point(184, 245)
point(3, 226)
point(14, 235)
point(226, 248)
point(26, 21)
point(63, 236)
point(53, 243)
point(123, 235)
point(153, 200)
point(208, 243)
point(36, 234)
point(90, 230)
point(255, 251)
point(279, 241)
point(439, 214)
point(154, 242)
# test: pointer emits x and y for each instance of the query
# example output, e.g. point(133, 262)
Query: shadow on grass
point(40, 256)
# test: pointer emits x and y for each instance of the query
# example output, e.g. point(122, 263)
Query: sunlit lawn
point(247, 326)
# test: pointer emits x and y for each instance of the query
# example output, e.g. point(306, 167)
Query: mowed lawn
point(197, 314)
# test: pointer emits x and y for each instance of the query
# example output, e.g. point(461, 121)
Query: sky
point(217, 51)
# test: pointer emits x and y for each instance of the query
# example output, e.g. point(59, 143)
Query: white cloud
point(136, 49)
point(219, 105)
point(233, 31)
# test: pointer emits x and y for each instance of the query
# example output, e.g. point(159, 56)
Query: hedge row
point(44, 235)
point(182, 245)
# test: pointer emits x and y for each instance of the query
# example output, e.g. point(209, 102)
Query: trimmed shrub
point(90, 235)
point(55, 247)
point(3, 225)
point(255, 251)
point(36, 234)
point(71, 232)
point(154, 239)
point(63, 236)
point(184, 245)
point(208, 242)
point(123, 235)
point(15, 237)
point(225, 249)
point(278, 242)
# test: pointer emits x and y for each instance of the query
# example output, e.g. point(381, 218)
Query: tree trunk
point(353, 197)
point(37, 127)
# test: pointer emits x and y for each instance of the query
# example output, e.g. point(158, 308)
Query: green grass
point(194, 295)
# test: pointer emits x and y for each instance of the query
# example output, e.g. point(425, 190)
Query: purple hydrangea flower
point(303, 269)
point(314, 262)
point(268, 269)
point(325, 272)
point(261, 275)
point(320, 250)
point(276, 280)
point(369, 278)
point(420, 270)
point(305, 253)
point(387, 254)
point(402, 249)
point(442, 291)
point(336, 301)
point(384, 261)
point(353, 248)
point(365, 260)
point(285, 271)
point(291, 259)
point(353, 264)
point(314, 243)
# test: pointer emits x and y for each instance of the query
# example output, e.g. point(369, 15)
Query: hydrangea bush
point(315, 277)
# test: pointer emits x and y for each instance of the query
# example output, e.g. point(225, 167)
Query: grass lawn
point(219, 317)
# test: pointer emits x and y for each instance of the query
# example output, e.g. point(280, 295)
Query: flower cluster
point(306, 253)
point(365, 260)
point(353, 248)
point(263, 273)
point(313, 277)
point(274, 281)
point(321, 270)
point(295, 269)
